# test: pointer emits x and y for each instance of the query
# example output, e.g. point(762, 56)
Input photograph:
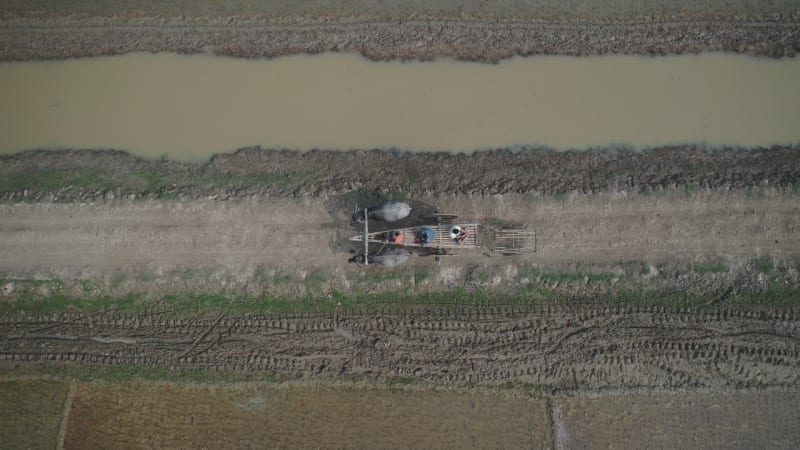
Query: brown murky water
point(190, 107)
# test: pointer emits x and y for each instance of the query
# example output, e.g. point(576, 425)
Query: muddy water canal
point(190, 107)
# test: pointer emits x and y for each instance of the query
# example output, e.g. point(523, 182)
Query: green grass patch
point(232, 303)
point(87, 287)
point(340, 297)
point(421, 275)
point(647, 297)
point(275, 278)
point(527, 272)
point(710, 267)
point(691, 188)
point(316, 278)
point(531, 273)
point(93, 181)
point(562, 277)
point(600, 277)
point(146, 277)
point(225, 180)
point(482, 277)
point(764, 265)
point(636, 268)
point(31, 303)
point(28, 299)
point(282, 278)
point(118, 279)
point(400, 382)
point(377, 278)
point(457, 298)
point(130, 373)
point(777, 295)
point(141, 373)
point(32, 411)
point(28, 282)
point(396, 196)
point(187, 275)
point(152, 179)
point(52, 179)
point(360, 198)
point(411, 176)
point(41, 180)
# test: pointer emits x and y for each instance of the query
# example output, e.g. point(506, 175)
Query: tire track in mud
point(558, 348)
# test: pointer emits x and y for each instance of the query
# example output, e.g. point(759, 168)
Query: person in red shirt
point(395, 237)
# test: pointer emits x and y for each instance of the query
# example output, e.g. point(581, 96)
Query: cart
point(446, 235)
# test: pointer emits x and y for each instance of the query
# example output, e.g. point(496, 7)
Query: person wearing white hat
point(458, 234)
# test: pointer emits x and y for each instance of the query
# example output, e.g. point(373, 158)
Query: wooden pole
point(366, 241)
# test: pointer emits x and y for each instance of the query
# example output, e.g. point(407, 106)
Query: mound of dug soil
point(78, 175)
point(482, 41)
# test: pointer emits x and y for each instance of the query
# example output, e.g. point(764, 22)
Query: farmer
point(395, 237)
point(426, 236)
point(458, 234)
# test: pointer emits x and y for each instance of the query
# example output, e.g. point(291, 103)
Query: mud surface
point(406, 30)
point(701, 420)
point(277, 11)
point(169, 416)
point(408, 40)
point(560, 348)
point(353, 415)
point(32, 412)
point(92, 175)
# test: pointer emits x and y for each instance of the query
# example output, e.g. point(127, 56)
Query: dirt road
point(70, 240)
point(302, 235)
point(586, 346)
